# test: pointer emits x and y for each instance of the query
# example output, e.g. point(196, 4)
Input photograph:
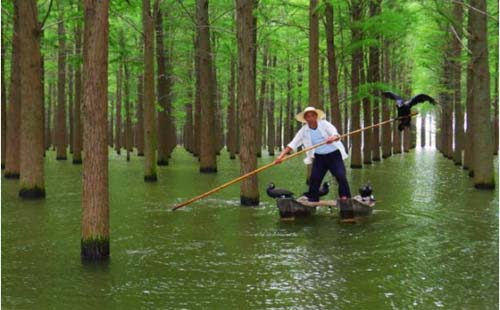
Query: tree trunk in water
point(314, 99)
point(231, 113)
point(139, 129)
point(48, 118)
point(70, 106)
point(14, 111)
point(422, 129)
point(246, 30)
point(95, 200)
point(356, 63)
point(31, 162)
point(374, 77)
point(456, 85)
point(128, 122)
point(61, 93)
point(406, 139)
point(367, 121)
point(208, 162)
point(396, 147)
point(4, 102)
point(271, 130)
point(469, 141)
point(163, 91)
point(118, 116)
point(77, 125)
point(279, 132)
point(197, 105)
point(287, 131)
point(149, 102)
point(332, 69)
point(262, 99)
point(482, 133)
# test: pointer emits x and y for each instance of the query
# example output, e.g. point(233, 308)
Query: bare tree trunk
point(231, 113)
point(406, 139)
point(128, 122)
point(374, 77)
point(279, 133)
point(139, 129)
point(61, 92)
point(4, 101)
point(48, 118)
point(262, 99)
point(314, 99)
point(356, 63)
point(208, 161)
point(118, 116)
point(197, 105)
point(422, 129)
point(332, 68)
point(95, 199)
point(271, 130)
point(14, 111)
point(287, 131)
point(31, 168)
point(456, 81)
point(246, 30)
point(163, 91)
point(367, 121)
point(77, 125)
point(482, 133)
point(70, 106)
point(149, 103)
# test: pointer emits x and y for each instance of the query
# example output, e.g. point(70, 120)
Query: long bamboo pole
point(271, 164)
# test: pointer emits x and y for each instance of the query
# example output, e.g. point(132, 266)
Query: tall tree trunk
point(332, 68)
point(4, 101)
point(374, 77)
point(314, 99)
point(208, 161)
point(231, 113)
point(246, 37)
point(95, 200)
point(139, 129)
point(422, 129)
point(118, 116)
point(31, 167)
point(149, 102)
point(271, 130)
point(77, 125)
point(128, 122)
point(262, 99)
point(163, 91)
point(48, 118)
point(197, 102)
point(482, 134)
point(70, 106)
point(287, 131)
point(356, 63)
point(456, 81)
point(367, 121)
point(110, 125)
point(14, 110)
point(279, 131)
point(61, 142)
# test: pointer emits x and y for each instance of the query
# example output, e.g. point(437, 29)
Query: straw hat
point(300, 116)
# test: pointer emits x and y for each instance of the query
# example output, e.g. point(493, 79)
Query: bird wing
point(421, 98)
point(391, 95)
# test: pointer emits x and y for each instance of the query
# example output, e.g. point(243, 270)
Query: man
point(328, 157)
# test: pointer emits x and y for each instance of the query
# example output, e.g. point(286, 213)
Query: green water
point(432, 242)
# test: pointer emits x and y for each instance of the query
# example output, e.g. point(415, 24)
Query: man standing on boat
point(328, 157)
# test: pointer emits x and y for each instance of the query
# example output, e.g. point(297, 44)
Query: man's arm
point(282, 155)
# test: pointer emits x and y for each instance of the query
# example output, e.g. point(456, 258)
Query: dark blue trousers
point(328, 162)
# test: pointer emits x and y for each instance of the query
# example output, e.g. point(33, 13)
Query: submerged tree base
point(61, 158)
point(162, 162)
point(32, 193)
point(95, 249)
point(77, 161)
point(249, 202)
point(232, 157)
point(3, 166)
point(150, 178)
point(208, 169)
point(140, 154)
point(356, 166)
point(485, 186)
point(11, 175)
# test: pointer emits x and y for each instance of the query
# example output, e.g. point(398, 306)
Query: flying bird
point(274, 192)
point(404, 106)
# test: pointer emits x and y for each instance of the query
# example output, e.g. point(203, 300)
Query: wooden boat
point(349, 209)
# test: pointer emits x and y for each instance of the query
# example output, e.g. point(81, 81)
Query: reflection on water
point(432, 242)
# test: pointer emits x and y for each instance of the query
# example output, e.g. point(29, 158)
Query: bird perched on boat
point(274, 192)
point(366, 192)
point(322, 191)
point(404, 106)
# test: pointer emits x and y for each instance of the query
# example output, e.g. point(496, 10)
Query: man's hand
point(279, 160)
point(332, 139)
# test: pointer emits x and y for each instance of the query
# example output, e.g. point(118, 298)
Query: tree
point(314, 98)
point(208, 162)
point(77, 121)
point(3, 96)
point(332, 68)
point(456, 70)
point(148, 99)
point(356, 62)
point(163, 90)
point(231, 112)
point(32, 148)
point(271, 135)
point(246, 28)
point(60, 128)
point(483, 148)
point(118, 117)
point(95, 200)
point(139, 129)
point(14, 110)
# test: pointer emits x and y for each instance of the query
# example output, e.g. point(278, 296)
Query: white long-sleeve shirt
point(303, 137)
